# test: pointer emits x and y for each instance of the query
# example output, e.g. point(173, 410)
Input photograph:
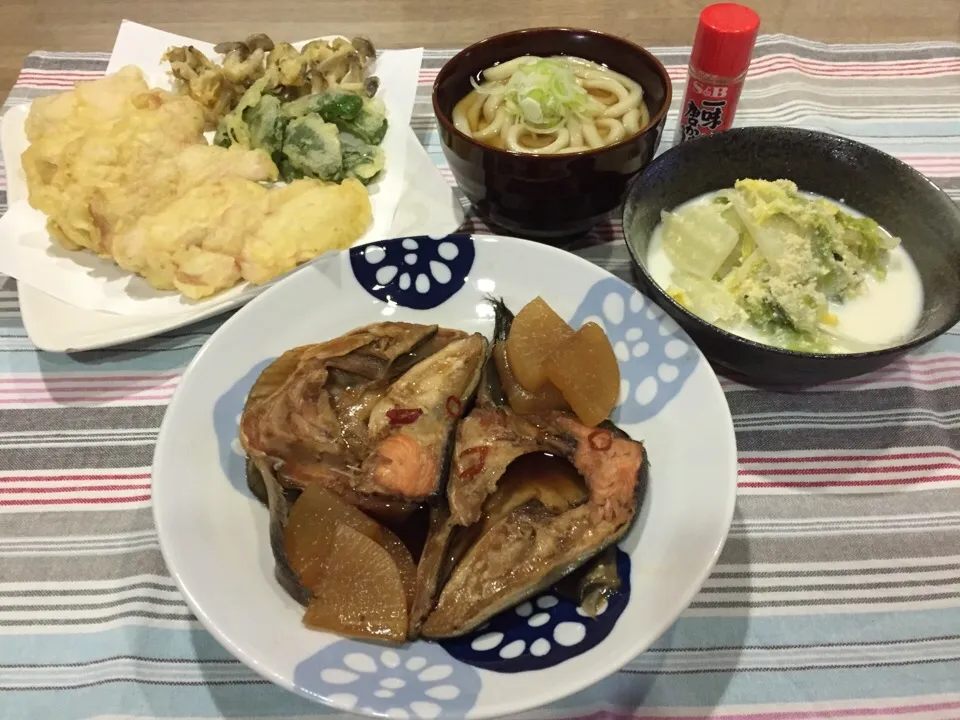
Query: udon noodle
point(548, 106)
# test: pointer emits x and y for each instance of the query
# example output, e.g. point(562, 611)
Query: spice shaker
point(721, 55)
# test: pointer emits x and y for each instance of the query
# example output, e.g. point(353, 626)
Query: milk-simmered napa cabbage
point(766, 256)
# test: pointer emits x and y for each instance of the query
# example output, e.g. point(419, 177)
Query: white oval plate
point(213, 533)
point(429, 206)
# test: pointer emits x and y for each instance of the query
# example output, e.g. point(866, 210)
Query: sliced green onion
point(543, 95)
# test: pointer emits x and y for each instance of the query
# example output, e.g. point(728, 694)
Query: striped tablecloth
point(838, 592)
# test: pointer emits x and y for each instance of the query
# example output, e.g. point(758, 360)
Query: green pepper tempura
point(330, 135)
point(766, 256)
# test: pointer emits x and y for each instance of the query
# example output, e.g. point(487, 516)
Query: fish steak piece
point(511, 529)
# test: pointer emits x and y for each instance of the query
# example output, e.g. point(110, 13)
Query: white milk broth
point(885, 314)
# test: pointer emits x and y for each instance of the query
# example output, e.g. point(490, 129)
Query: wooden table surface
point(27, 25)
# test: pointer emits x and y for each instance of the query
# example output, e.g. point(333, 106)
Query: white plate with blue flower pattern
point(213, 532)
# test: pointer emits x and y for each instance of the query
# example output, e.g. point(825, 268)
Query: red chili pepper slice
point(600, 440)
point(481, 451)
point(454, 406)
point(403, 416)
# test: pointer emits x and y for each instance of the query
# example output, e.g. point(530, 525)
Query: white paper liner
point(81, 278)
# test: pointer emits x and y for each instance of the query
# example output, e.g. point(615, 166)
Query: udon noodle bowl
point(550, 106)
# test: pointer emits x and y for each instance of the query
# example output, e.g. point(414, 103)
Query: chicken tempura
point(124, 171)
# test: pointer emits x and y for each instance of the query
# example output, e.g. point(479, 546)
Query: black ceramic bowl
point(548, 197)
point(902, 200)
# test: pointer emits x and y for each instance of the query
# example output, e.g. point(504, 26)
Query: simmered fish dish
point(416, 488)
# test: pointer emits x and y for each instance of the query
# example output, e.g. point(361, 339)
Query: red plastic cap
point(725, 38)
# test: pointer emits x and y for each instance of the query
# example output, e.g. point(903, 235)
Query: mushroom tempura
point(321, 65)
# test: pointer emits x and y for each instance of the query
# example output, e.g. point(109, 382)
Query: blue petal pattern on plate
point(226, 422)
point(541, 633)
point(418, 680)
point(417, 272)
point(656, 357)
